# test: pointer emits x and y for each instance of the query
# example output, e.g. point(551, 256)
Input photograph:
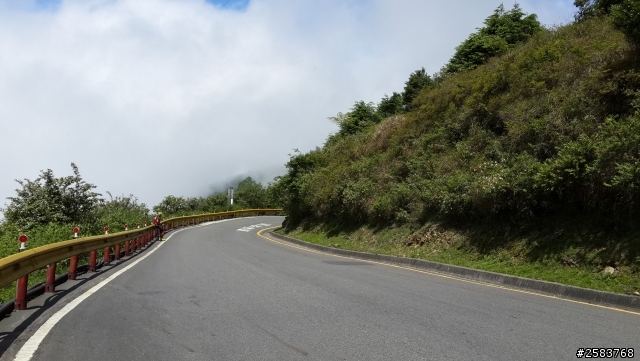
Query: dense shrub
point(550, 126)
point(49, 199)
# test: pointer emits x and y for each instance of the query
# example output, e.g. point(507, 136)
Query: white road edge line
point(31, 346)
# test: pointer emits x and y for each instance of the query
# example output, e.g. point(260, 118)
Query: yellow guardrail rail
point(21, 264)
point(221, 215)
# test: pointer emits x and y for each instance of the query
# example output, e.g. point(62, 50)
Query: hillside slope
point(539, 147)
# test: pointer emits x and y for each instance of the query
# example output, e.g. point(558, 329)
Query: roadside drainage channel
point(558, 290)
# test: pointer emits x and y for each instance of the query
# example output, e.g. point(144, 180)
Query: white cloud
point(159, 97)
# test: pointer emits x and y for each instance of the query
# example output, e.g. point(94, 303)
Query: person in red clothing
point(156, 222)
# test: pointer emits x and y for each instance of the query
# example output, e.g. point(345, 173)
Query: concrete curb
point(543, 287)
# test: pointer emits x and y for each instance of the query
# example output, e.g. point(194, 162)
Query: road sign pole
point(23, 242)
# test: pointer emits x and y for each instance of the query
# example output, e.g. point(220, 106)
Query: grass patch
point(559, 251)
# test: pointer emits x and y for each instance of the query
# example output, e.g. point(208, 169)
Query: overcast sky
point(178, 97)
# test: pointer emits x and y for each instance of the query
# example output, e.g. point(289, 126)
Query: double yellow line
point(442, 275)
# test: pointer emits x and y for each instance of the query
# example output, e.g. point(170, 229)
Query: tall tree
point(390, 105)
point(591, 8)
point(171, 205)
point(361, 116)
point(251, 194)
point(48, 199)
point(502, 30)
point(120, 210)
point(626, 17)
point(418, 80)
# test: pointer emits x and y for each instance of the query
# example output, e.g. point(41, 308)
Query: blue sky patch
point(230, 4)
point(47, 4)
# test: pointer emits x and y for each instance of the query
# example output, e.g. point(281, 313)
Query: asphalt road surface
point(215, 292)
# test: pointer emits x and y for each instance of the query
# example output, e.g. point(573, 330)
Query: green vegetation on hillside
point(503, 31)
point(47, 209)
point(248, 194)
point(519, 144)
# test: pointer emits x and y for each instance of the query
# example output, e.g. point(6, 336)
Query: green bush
point(550, 126)
point(48, 199)
point(502, 30)
point(626, 17)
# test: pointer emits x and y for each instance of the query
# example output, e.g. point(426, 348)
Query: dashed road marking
point(252, 227)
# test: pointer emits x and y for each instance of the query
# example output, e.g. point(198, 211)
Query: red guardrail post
point(107, 256)
point(117, 255)
point(126, 248)
point(92, 261)
point(73, 266)
point(21, 293)
point(50, 285)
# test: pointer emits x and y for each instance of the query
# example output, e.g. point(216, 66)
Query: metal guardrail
point(19, 265)
point(23, 263)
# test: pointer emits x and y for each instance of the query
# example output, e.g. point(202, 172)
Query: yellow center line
point(442, 275)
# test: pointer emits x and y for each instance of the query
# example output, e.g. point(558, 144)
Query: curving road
point(219, 293)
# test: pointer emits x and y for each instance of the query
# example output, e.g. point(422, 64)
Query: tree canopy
point(503, 29)
point(626, 17)
point(390, 105)
point(48, 199)
point(361, 116)
point(418, 80)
